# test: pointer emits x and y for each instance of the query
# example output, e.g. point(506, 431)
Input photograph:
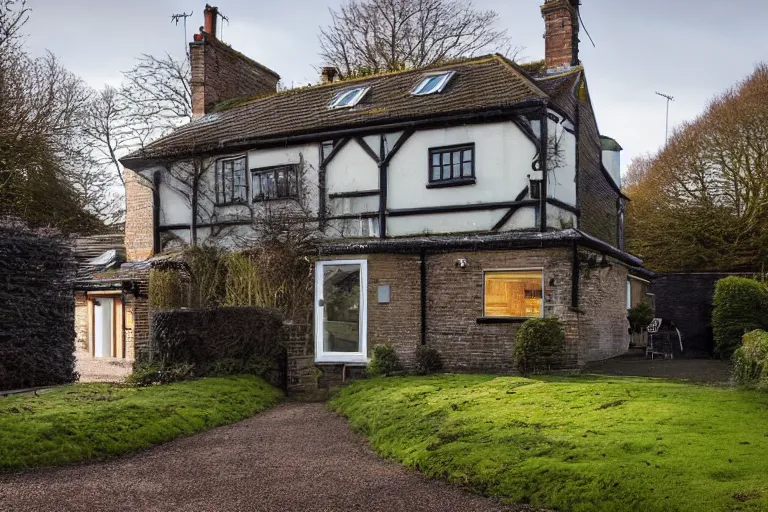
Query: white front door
point(341, 311)
point(103, 327)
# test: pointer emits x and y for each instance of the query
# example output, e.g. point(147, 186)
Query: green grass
point(85, 422)
point(578, 443)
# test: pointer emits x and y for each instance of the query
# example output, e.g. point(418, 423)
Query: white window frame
point(361, 92)
point(529, 269)
point(447, 75)
point(322, 356)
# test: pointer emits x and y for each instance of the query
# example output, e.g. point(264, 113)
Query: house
point(450, 203)
point(101, 352)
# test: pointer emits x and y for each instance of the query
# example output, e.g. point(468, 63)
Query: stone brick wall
point(220, 73)
point(81, 322)
point(455, 302)
point(139, 233)
point(597, 329)
point(597, 199)
point(603, 326)
point(398, 323)
point(137, 335)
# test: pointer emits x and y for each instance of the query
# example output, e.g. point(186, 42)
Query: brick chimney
point(220, 73)
point(561, 18)
point(211, 15)
point(328, 74)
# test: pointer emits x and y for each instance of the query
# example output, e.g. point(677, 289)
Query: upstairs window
point(231, 181)
point(279, 182)
point(452, 165)
point(349, 97)
point(514, 293)
point(433, 83)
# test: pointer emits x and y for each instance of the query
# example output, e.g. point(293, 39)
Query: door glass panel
point(341, 311)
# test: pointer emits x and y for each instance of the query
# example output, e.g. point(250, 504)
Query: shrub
point(384, 361)
point(221, 341)
point(167, 289)
point(428, 360)
point(750, 361)
point(640, 316)
point(739, 307)
point(539, 345)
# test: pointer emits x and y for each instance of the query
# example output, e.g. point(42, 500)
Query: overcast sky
point(691, 49)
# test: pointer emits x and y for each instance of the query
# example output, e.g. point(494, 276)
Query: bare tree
point(373, 36)
point(14, 14)
point(157, 92)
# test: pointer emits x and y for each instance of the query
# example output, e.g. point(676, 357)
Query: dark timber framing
point(511, 211)
point(356, 193)
point(321, 178)
point(543, 150)
point(156, 179)
point(432, 210)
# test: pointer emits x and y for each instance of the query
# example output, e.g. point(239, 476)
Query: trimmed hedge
point(740, 306)
point(37, 309)
point(539, 345)
point(750, 361)
point(219, 341)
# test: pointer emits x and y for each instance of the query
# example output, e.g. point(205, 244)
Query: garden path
point(295, 457)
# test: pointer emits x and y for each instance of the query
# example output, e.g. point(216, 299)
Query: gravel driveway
point(292, 458)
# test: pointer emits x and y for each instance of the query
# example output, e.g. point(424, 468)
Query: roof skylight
point(433, 83)
point(349, 97)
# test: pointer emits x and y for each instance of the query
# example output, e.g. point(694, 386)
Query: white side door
point(341, 311)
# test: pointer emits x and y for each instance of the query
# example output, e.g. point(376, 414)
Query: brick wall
point(398, 323)
point(597, 329)
point(220, 73)
point(560, 23)
point(604, 328)
point(455, 302)
point(137, 335)
point(597, 199)
point(139, 234)
point(81, 322)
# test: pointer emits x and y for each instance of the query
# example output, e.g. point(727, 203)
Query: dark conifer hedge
point(37, 309)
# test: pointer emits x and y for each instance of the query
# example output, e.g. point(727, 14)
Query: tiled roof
point(480, 84)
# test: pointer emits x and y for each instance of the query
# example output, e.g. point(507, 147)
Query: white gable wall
point(503, 157)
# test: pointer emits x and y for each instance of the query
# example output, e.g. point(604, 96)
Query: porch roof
point(478, 242)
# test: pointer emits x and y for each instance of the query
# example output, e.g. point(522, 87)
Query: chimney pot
point(328, 74)
point(211, 19)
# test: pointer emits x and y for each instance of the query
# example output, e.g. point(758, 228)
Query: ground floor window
point(514, 293)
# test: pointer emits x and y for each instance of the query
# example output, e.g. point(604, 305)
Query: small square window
point(514, 294)
point(433, 83)
point(452, 165)
point(349, 97)
point(279, 182)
